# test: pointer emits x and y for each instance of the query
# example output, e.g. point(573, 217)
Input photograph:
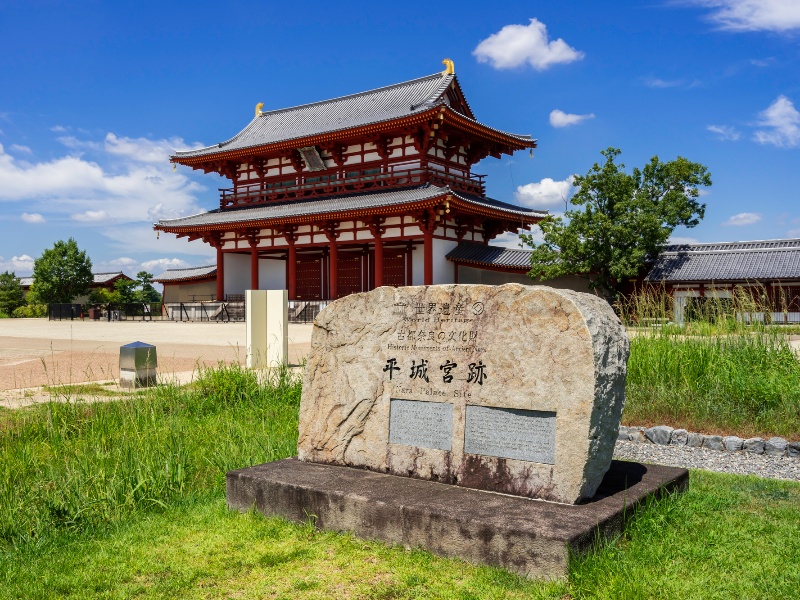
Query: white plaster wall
point(271, 274)
point(443, 270)
point(237, 273)
point(418, 266)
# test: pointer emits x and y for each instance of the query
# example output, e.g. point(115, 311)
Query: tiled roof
point(373, 106)
point(491, 256)
point(730, 261)
point(26, 281)
point(299, 208)
point(173, 275)
point(106, 277)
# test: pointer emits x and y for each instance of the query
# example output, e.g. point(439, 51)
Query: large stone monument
point(485, 401)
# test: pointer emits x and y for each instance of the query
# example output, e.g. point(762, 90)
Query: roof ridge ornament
point(450, 68)
point(259, 106)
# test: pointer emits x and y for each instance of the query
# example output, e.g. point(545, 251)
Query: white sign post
point(267, 321)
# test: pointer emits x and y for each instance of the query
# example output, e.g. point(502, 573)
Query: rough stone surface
point(793, 449)
point(660, 434)
point(636, 434)
point(679, 437)
point(558, 352)
point(713, 442)
point(732, 443)
point(754, 445)
point(695, 440)
point(623, 433)
point(775, 446)
point(530, 537)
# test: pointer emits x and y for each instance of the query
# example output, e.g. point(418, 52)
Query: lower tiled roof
point(731, 261)
point(491, 256)
point(176, 275)
point(338, 204)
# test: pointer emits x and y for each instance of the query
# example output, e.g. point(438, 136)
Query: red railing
point(290, 187)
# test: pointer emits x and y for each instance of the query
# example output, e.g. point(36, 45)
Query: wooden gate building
point(349, 194)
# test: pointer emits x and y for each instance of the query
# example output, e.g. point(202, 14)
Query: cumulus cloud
point(32, 218)
point(676, 239)
point(782, 122)
point(558, 118)
point(517, 45)
point(133, 238)
point(162, 264)
point(20, 265)
point(122, 261)
point(743, 219)
point(20, 149)
point(724, 132)
point(546, 192)
point(143, 149)
point(754, 15)
point(90, 216)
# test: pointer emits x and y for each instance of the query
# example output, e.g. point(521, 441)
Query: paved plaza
point(37, 352)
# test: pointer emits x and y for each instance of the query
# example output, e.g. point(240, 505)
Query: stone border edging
point(664, 435)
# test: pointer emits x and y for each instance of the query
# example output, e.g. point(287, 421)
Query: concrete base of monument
point(531, 537)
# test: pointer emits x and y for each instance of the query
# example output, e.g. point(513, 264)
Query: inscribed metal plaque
point(421, 424)
point(511, 433)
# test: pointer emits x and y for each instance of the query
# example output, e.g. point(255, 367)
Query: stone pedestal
point(531, 537)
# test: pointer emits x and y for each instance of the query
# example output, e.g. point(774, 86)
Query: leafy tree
point(125, 291)
point(101, 296)
point(61, 273)
point(11, 295)
point(620, 222)
point(147, 293)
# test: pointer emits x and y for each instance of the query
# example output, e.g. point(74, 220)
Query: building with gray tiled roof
point(344, 195)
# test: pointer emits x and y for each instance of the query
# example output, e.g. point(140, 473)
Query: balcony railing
point(323, 185)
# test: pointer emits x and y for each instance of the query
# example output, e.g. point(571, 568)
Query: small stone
point(775, 446)
point(659, 434)
point(793, 449)
point(623, 433)
point(713, 442)
point(732, 443)
point(679, 437)
point(754, 445)
point(695, 440)
point(636, 434)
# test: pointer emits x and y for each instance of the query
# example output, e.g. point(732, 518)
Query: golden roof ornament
point(259, 106)
point(450, 68)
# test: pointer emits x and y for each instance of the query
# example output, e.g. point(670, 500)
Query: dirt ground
point(38, 352)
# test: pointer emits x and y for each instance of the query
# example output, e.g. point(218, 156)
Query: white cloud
point(783, 122)
point(657, 83)
point(516, 45)
point(558, 118)
point(143, 149)
point(724, 132)
point(754, 15)
point(32, 217)
point(546, 192)
point(743, 219)
point(21, 149)
point(162, 264)
point(90, 216)
point(58, 129)
point(22, 264)
point(133, 238)
point(793, 233)
point(122, 261)
point(676, 239)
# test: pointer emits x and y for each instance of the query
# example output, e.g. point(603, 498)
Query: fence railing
point(137, 311)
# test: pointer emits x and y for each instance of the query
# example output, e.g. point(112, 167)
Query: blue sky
point(94, 96)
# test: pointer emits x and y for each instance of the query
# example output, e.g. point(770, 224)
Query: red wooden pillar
point(220, 273)
point(291, 269)
point(253, 267)
point(333, 261)
point(377, 233)
point(427, 222)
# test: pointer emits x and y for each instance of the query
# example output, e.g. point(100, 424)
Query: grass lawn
point(126, 499)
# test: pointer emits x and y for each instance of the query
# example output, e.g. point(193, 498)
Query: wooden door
point(309, 276)
point(349, 274)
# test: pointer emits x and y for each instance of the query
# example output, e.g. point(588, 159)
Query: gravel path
point(740, 463)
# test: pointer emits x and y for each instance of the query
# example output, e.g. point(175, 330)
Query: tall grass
point(73, 466)
point(719, 374)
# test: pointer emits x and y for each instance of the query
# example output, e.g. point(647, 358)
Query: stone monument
point(442, 417)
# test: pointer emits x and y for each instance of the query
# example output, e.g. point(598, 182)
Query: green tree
point(11, 295)
point(61, 273)
point(147, 293)
point(125, 291)
point(620, 222)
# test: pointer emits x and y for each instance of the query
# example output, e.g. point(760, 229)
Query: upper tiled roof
point(492, 256)
point(729, 261)
point(26, 281)
point(173, 275)
point(337, 204)
point(355, 110)
point(106, 277)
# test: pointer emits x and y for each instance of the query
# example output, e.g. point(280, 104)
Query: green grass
point(124, 499)
point(742, 383)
